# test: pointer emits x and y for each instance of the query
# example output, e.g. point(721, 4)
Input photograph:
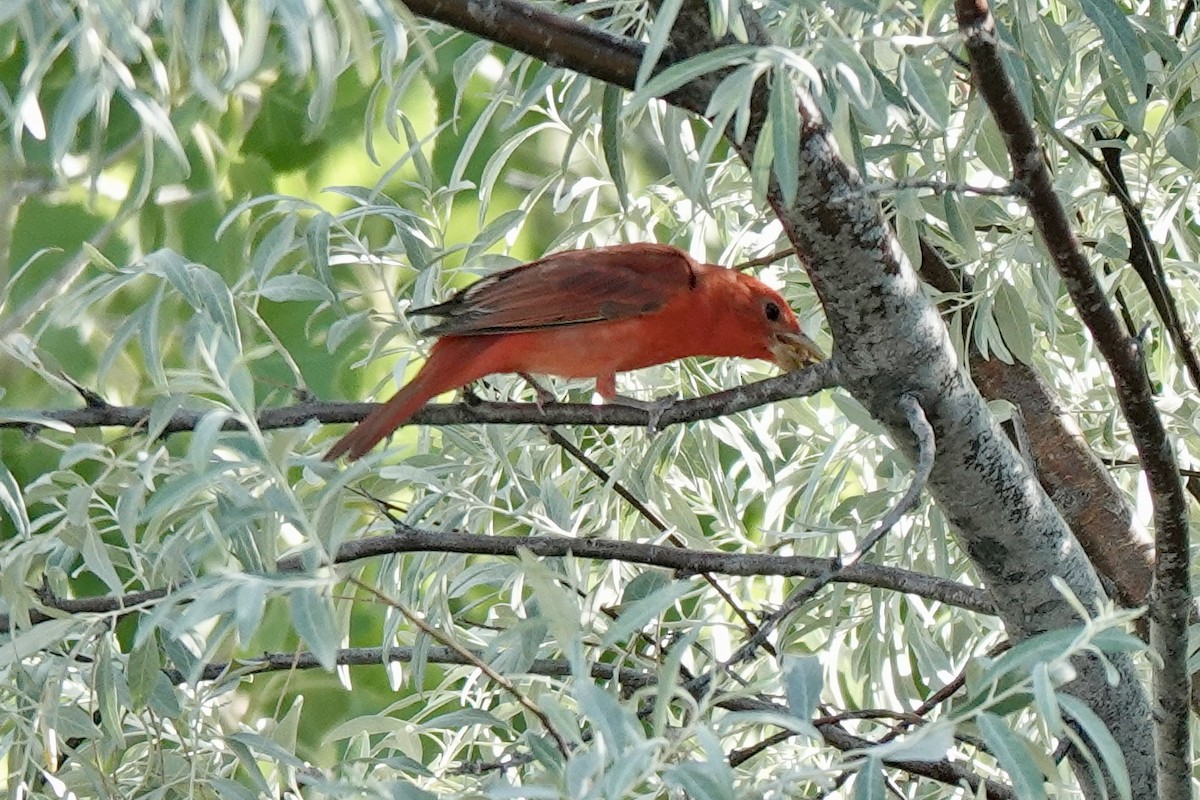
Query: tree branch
point(407, 539)
point(791, 385)
point(1171, 594)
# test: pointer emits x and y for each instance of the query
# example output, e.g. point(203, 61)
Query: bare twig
point(925, 451)
point(653, 519)
point(763, 261)
point(471, 658)
point(943, 187)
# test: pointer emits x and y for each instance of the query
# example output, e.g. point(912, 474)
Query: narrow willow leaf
point(1121, 40)
point(313, 617)
point(1102, 742)
point(610, 141)
point(1012, 752)
point(145, 666)
point(1014, 322)
point(868, 783)
point(636, 615)
point(660, 34)
point(785, 135)
point(677, 75)
point(926, 90)
point(286, 288)
point(803, 679)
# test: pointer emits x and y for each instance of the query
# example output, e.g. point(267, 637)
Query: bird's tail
point(446, 369)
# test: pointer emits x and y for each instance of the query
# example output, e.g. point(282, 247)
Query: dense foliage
point(228, 208)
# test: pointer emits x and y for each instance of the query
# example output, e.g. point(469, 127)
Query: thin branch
point(943, 187)
point(1146, 261)
point(1171, 596)
point(374, 656)
point(630, 679)
point(563, 746)
point(791, 385)
point(407, 539)
point(744, 754)
point(1185, 15)
point(653, 519)
point(839, 566)
point(763, 261)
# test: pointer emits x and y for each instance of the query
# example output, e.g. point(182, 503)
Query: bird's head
point(773, 325)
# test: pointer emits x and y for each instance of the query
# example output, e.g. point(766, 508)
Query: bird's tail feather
point(377, 425)
point(452, 363)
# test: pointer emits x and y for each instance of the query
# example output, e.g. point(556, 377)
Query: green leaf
point(660, 34)
point(1014, 322)
point(26, 643)
point(145, 667)
point(926, 90)
point(95, 556)
point(803, 679)
point(1014, 756)
point(465, 717)
point(610, 140)
point(1184, 146)
point(12, 500)
point(868, 783)
point(701, 780)
point(313, 617)
point(635, 616)
point(785, 135)
point(284, 288)
point(928, 743)
point(685, 71)
point(1122, 41)
point(1102, 742)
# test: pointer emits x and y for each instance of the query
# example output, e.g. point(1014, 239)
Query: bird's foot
point(655, 408)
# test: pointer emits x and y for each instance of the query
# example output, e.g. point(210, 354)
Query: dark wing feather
point(570, 288)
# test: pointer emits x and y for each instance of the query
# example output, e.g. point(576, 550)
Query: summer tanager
point(591, 314)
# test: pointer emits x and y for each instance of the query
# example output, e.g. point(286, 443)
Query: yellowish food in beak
point(792, 351)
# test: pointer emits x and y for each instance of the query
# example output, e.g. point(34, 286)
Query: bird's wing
point(569, 288)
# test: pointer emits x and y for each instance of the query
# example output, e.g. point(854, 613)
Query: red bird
point(591, 314)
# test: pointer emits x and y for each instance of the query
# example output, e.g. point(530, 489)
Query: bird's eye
point(772, 311)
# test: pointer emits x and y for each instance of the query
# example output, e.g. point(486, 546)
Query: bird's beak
point(792, 351)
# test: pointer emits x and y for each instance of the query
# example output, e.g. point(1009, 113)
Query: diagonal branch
point(1171, 593)
point(838, 566)
point(1144, 256)
point(653, 519)
point(474, 660)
